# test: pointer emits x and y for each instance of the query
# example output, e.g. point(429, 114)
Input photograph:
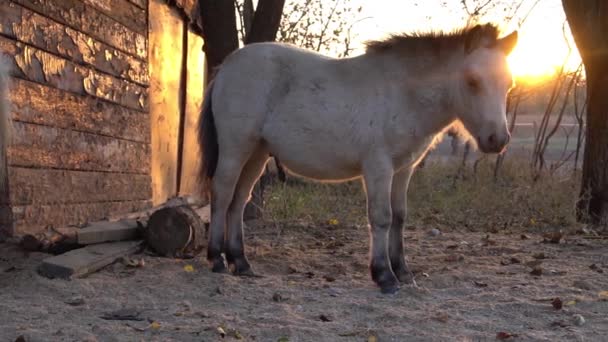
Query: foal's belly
point(316, 159)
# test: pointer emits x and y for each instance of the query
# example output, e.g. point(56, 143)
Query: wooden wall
point(81, 149)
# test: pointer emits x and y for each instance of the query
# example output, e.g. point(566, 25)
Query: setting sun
point(540, 54)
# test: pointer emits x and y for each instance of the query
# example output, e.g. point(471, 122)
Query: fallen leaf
point(189, 268)
point(333, 222)
point(441, 317)
point(557, 303)
point(75, 301)
point(553, 237)
point(329, 278)
point(596, 268)
point(372, 338)
point(122, 315)
point(325, 318)
point(603, 294)
point(155, 325)
point(536, 271)
point(534, 263)
point(221, 331)
point(454, 258)
point(560, 324)
point(540, 255)
point(570, 303)
point(277, 297)
point(504, 335)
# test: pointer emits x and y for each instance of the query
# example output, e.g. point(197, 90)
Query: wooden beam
point(191, 154)
point(166, 30)
point(83, 261)
point(106, 231)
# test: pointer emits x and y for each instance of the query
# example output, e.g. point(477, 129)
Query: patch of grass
point(437, 198)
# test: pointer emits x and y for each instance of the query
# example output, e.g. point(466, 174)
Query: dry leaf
point(155, 325)
point(557, 303)
point(372, 338)
point(603, 294)
point(333, 222)
point(504, 335)
point(569, 303)
point(189, 268)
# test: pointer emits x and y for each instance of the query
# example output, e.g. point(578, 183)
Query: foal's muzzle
point(494, 142)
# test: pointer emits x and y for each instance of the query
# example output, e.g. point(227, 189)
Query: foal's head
point(482, 84)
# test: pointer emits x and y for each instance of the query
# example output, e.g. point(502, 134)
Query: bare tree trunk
point(589, 25)
point(219, 32)
point(266, 21)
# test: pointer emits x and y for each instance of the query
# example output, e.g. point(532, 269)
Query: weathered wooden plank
point(106, 231)
point(143, 4)
point(32, 219)
point(29, 27)
point(36, 65)
point(35, 103)
point(81, 17)
point(123, 12)
point(49, 147)
point(191, 154)
point(44, 186)
point(166, 30)
point(83, 261)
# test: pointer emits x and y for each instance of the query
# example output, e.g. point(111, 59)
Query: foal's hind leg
point(235, 247)
point(223, 184)
point(396, 253)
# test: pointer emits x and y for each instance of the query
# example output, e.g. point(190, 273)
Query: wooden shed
point(105, 97)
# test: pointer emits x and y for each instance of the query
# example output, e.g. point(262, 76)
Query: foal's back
point(307, 109)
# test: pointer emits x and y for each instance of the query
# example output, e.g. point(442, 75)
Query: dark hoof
point(389, 288)
point(242, 268)
point(405, 277)
point(387, 280)
point(219, 266)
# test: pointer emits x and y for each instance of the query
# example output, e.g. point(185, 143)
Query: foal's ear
point(479, 36)
point(507, 43)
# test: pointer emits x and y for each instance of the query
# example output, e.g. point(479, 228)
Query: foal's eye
point(473, 83)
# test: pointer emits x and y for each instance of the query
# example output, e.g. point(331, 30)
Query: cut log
point(175, 232)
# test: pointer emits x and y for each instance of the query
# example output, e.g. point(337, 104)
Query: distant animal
point(371, 116)
point(5, 114)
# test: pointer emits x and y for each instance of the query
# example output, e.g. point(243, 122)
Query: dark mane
point(438, 42)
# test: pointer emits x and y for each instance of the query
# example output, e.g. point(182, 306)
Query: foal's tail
point(5, 119)
point(207, 140)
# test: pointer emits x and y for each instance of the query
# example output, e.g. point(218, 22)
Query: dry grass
point(437, 199)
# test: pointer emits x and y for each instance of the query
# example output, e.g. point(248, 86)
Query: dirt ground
point(316, 287)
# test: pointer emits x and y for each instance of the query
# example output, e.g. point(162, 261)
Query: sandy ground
point(316, 288)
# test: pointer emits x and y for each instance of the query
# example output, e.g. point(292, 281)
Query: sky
point(541, 48)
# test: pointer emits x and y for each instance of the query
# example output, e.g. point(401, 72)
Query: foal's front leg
point(396, 253)
point(378, 189)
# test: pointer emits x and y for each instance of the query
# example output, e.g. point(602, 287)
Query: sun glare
point(540, 55)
